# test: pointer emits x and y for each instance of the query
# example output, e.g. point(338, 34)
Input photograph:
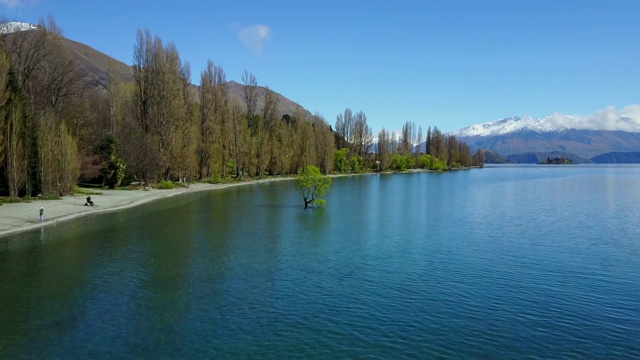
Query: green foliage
point(113, 171)
point(438, 165)
point(43, 197)
point(231, 166)
point(85, 191)
point(216, 179)
point(341, 162)
point(166, 185)
point(355, 164)
point(10, 200)
point(313, 184)
point(401, 162)
point(424, 161)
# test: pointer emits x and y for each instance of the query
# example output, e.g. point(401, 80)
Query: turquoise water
point(502, 262)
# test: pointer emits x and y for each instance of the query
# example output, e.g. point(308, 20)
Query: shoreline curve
point(21, 217)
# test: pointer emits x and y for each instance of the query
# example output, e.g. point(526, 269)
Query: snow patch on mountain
point(609, 119)
point(15, 26)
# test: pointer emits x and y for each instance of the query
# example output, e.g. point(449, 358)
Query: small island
point(557, 160)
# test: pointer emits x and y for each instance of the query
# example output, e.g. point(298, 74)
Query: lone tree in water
point(312, 184)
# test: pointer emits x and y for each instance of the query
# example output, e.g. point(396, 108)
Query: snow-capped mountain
point(579, 137)
point(15, 26)
point(609, 119)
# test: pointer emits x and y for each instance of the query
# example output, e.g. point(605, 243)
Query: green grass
point(46, 197)
point(80, 190)
point(26, 199)
point(165, 185)
point(12, 200)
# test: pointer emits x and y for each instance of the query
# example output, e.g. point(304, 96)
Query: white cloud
point(625, 119)
point(254, 37)
point(610, 119)
point(12, 4)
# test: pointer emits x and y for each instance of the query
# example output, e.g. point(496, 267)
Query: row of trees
point(39, 85)
point(55, 130)
point(436, 151)
point(186, 134)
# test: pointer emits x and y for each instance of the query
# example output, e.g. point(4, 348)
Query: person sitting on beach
point(89, 201)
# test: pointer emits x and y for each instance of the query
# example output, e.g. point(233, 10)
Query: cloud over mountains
point(608, 119)
point(254, 37)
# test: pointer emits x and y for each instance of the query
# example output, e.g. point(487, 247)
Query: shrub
point(438, 165)
point(356, 164)
point(216, 179)
point(341, 160)
point(424, 161)
point(166, 184)
point(401, 162)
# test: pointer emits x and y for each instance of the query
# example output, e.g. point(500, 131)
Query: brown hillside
point(97, 65)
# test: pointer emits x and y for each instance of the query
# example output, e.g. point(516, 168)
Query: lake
point(501, 262)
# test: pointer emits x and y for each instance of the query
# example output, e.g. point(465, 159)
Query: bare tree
point(362, 135)
point(325, 144)
point(164, 98)
point(58, 157)
point(5, 97)
point(250, 84)
point(12, 128)
point(344, 128)
point(207, 106)
point(384, 149)
point(305, 147)
point(240, 140)
point(270, 119)
point(405, 141)
point(222, 118)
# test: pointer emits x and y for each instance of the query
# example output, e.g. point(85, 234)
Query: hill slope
point(98, 65)
point(617, 158)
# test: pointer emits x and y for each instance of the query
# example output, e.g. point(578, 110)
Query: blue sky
point(448, 64)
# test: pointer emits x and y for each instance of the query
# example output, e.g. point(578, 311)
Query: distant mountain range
point(581, 138)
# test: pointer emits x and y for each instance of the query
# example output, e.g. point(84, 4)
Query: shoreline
point(24, 216)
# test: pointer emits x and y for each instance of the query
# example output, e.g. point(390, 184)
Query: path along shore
point(24, 216)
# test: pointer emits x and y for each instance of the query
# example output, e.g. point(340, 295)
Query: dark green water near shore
point(502, 262)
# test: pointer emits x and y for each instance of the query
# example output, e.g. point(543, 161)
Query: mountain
point(97, 66)
point(492, 157)
point(285, 106)
point(16, 26)
point(617, 158)
point(93, 63)
point(574, 136)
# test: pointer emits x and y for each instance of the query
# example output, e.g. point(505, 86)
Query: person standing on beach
point(41, 214)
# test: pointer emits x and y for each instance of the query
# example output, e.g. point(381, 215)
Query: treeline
point(41, 107)
point(56, 131)
point(435, 151)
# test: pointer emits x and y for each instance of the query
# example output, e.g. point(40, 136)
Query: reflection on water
point(504, 262)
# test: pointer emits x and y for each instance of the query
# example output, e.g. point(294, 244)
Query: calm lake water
point(502, 262)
